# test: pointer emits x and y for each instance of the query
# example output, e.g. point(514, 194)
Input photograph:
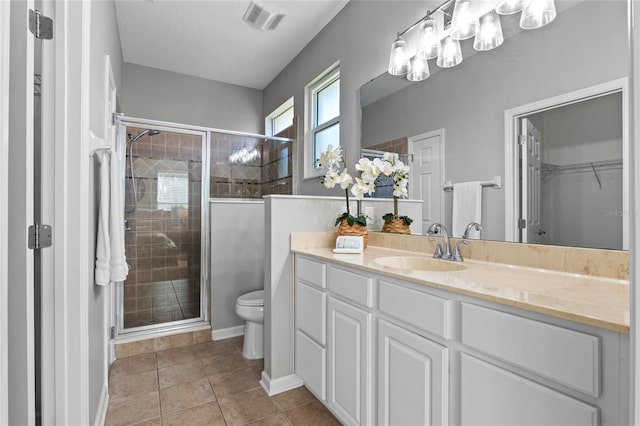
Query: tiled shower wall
point(163, 243)
point(270, 173)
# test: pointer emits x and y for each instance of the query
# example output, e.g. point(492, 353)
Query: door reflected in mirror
point(571, 174)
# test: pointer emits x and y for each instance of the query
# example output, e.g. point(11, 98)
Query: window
point(323, 118)
point(279, 119)
point(173, 190)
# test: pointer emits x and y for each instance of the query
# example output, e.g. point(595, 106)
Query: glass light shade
point(509, 7)
point(398, 60)
point(537, 13)
point(464, 23)
point(429, 40)
point(489, 33)
point(451, 55)
point(419, 69)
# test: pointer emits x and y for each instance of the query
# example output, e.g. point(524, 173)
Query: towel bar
point(495, 183)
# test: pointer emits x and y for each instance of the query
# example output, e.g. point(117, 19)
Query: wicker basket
point(396, 226)
point(356, 230)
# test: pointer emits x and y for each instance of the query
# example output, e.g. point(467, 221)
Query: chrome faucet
point(471, 226)
point(445, 251)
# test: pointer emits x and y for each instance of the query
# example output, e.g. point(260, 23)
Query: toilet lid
point(255, 298)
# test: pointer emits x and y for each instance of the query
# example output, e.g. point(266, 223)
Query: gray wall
point(359, 37)
point(168, 96)
point(469, 100)
point(105, 40)
point(237, 256)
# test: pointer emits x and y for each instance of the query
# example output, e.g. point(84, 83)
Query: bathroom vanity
point(489, 344)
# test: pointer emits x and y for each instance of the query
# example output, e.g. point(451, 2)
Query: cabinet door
point(494, 396)
point(349, 363)
point(412, 378)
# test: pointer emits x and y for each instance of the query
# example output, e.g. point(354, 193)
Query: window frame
point(269, 119)
point(328, 77)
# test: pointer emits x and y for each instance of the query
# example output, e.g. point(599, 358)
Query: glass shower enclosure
point(171, 172)
point(165, 227)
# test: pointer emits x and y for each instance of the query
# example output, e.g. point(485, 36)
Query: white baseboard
point(103, 405)
point(225, 333)
point(281, 384)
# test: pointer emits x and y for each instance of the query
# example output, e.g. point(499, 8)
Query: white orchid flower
point(330, 157)
point(384, 167)
point(366, 166)
point(362, 187)
point(391, 157)
point(344, 179)
point(400, 192)
point(330, 179)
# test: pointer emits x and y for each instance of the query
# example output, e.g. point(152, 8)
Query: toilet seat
point(255, 298)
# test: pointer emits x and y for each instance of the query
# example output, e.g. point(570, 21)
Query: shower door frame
point(204, 318)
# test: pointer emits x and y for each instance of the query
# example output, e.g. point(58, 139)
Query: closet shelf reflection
point(582, 167)
point(550, 170)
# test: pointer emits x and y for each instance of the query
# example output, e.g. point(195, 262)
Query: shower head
point(149, 132)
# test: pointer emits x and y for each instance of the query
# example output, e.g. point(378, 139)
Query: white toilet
point(250, 307)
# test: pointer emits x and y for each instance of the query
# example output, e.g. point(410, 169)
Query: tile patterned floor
point(204, 384)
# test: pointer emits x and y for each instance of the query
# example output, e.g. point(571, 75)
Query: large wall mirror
point(541, 120)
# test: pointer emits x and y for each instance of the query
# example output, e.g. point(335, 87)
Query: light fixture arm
point(441, 7)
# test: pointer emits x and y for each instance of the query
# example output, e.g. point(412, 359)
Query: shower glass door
point(164, 228)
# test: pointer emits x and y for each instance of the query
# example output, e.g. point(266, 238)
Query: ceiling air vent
point(260, 17)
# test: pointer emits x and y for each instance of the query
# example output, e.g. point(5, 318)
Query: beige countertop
point(595, 301)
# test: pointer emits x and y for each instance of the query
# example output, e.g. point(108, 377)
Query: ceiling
point(208, 38)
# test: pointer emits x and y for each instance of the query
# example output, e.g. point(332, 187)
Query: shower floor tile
point(161, 302)
point(186, 394)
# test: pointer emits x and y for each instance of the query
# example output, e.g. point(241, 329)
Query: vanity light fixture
point(465, 23)
point(429, 40)
point(244, 156)
point(509, 7)
point(419, 69)
point(399, 60)
point(537, 14)
point(489, 33)
point(451, 55)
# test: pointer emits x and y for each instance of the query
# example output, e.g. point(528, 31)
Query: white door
point(426, 173)
point(349, 363)
point(20, 267)
point(412, 378)
point(531, 155)
point(4, 204)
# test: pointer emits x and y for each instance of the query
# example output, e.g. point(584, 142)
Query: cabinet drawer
point(311, 365)
point(492, 396)
point(427, 312)
point(565, 356)
point(349, 285)
point(311, 312)
point(312, 272)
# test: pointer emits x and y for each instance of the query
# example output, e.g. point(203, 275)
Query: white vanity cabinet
point(310, 355)
point(412, 378)
point(382, 351)
point(349, 363)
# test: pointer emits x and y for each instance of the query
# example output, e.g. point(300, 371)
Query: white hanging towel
point(103, 244)
point(467, 208)
point(119, 267)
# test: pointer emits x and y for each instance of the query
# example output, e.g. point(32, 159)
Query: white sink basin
point(416, 263)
